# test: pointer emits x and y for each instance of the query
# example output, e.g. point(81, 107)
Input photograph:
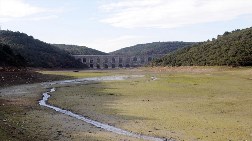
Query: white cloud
point(112, 44)
point(17, 9)
point(172, 13)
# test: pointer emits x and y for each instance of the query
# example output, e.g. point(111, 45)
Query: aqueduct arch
point(115, 61)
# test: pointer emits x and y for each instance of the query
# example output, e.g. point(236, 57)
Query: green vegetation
point(232, 49)
point(36, 52)
point(152, 48)
point(191, 103)
point(8, 58)
point(79, 50)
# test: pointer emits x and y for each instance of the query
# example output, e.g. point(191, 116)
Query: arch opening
point(98, 66)
point(84, 60)
point(91, 66)
point(113, 65)
point(106, 66)
point(127, 66)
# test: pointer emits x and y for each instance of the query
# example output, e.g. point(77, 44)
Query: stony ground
point(186, 103)
point(21, 118)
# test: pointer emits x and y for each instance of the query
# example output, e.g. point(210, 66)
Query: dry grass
point(191, 104)
point(186, 103)
point(78, 74)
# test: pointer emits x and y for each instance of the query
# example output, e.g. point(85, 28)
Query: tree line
point(9, 58)
point(230, 49)
point(152, 48)
point(37, 53)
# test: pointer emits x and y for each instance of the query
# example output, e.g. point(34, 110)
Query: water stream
point(104, 126)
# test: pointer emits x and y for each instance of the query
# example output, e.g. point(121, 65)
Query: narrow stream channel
point(107, 127)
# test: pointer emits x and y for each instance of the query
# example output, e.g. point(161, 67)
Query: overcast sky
point(108, 25)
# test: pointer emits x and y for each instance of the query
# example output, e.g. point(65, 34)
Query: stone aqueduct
point(115, 61)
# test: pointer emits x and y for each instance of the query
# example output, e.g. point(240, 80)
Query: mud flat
point(191, 103)
point(97, 124)
point(21, 118)
point(187, 103)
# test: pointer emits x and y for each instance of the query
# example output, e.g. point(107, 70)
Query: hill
point(232, 49)
point(36, 52)
point(152, 48)
point(79, 50)
point(8, 58)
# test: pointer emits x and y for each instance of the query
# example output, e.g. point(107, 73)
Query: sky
point(108, 25)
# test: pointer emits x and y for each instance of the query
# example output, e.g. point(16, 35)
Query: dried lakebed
point(104, 126)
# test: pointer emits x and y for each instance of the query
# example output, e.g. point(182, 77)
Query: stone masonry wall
point(115, 61)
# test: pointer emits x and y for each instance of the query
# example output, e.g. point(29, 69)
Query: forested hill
point(152, 48)
point(232, 49)
point(9, 58)
point(79, 50)
point(36, 52)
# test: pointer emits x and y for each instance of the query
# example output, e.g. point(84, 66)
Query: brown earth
point(15, 76)
point(17, 101)
point(22, 118)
